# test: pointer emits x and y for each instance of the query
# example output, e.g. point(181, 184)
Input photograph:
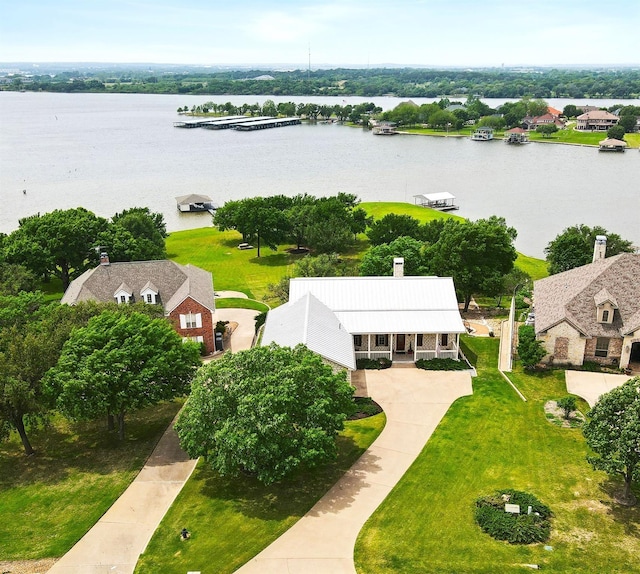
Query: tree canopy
point(574, 247)
point(613, 433)
point(378, 260)
point(476, 254)
point(266, 411)
point(119, 363)
point(65, 243)
point(392, 226)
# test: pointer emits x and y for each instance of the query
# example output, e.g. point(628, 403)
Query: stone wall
point(567, 341)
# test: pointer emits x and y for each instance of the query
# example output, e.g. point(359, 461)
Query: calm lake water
point(108, 152)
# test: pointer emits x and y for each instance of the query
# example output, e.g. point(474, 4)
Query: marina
point(241, 123)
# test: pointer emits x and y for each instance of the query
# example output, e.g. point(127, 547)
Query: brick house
point(591, 313)
point(184, 291)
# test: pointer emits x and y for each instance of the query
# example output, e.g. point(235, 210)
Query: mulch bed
point(555, 415)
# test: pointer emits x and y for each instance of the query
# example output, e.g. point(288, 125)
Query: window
point(444, 339)
point(605, 316)
point(123, 298)
point(382, 340)
point(602, 347)
point(419, 340)
point(191, 321)
point(357, 340)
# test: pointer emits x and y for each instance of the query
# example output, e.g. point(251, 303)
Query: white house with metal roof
point(403, 319)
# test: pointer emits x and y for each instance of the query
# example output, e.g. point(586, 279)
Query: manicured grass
point(535, 268)
point(241, 303)
point(231, 520)
point(381, 208)
point(494, 440)
point(572, 136)
point(49, 500)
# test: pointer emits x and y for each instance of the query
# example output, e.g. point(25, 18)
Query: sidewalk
point(323, 541)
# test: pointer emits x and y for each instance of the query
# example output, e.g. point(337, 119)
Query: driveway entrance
point(323, 540)
point(590, 386)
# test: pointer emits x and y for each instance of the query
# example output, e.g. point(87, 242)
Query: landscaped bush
point(375, 364)
point(520, 528)
point(365, 407)
point(441, 365)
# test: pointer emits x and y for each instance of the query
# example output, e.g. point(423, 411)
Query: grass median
point(233, 519)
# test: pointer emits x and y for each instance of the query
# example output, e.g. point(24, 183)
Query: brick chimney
point(104, 258)
point(398, 266)
point(600, 248)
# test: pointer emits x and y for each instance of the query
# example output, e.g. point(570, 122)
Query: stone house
point(184, 291)
point(343, 319)
point(598, 120)
point(591, 313)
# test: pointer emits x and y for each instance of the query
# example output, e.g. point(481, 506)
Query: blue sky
point(347, 32)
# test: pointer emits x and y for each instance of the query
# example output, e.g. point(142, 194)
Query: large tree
point(119, 363)
point(613, 433)
point(476, 254)
point(574, 247)
point(60, 243)
point(392, 226)
point(378, 260)
point(266, 411)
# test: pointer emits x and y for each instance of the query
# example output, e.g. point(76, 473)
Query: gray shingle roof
point(572, 296)
point(173, 282)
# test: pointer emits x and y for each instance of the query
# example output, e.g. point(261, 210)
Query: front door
point(400, 343)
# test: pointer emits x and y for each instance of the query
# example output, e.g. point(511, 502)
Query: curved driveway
point(322, 541)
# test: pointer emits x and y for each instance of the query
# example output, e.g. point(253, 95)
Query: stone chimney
point(398, 266)
point(600, 248)
point(104, 258)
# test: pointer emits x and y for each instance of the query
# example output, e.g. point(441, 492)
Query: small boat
point(482, 135)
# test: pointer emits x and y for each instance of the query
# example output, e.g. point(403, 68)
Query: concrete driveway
point(116, 541)
point(322, 541)
point(591, 386)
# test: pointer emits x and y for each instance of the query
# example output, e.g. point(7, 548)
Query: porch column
point(392, 339)
point(369, 346)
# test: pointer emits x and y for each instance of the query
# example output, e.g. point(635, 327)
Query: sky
point(467, 33)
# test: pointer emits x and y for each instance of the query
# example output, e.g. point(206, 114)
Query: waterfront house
point(591, 313)
point(185, 292)
point(399, 318)
point(531, 123)
point(597, 120)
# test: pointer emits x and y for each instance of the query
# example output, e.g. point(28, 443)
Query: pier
point(267, 123)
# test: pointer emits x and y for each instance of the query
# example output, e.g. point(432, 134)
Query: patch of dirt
point(576, 536)
point(27, 566)
point(555, 415)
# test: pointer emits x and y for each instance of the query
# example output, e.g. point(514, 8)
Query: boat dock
point(442, 201)
point(241, 123)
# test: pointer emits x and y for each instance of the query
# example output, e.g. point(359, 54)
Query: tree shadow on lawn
point(293, 496)
point(64, 448)
point(628, 516)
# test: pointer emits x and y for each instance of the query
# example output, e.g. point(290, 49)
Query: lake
point(108, 152)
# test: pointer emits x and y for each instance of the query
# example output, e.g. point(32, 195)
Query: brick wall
point(206, 331)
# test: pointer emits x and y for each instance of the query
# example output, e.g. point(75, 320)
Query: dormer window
point(123, 294)
point(149, 293)
point(606, 305)
point(605, 315)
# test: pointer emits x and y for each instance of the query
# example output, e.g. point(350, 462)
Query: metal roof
point(386, 304)
point(309, 322)
point(436, 196)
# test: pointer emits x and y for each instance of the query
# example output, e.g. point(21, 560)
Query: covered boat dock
point(265, 124)
point(442, 201)
point(195, 202)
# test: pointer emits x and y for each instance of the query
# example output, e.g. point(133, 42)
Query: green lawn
point(241, 303)
point(49, 500)
point(535, 268)
point(231, 520)
point(494, 440)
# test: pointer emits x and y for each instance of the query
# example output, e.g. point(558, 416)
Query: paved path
point(590, 386)
point(116, 541)
point(322, 541)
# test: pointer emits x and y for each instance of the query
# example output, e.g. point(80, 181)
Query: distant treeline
point(401, 82)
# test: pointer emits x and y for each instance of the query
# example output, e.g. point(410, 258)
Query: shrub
point(568, 405)
point(365, 407)
point(521, 528)
point(441, 365)
point(530, 350)
point(221, 326)
point(375, 364)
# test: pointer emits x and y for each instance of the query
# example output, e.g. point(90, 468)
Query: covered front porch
point(406, 347)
